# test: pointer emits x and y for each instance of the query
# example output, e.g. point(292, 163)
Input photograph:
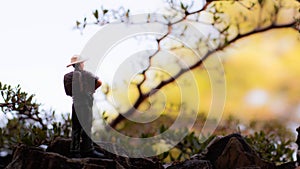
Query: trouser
point(81, 126)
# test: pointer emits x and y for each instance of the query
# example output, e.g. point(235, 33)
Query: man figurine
point(81, 85)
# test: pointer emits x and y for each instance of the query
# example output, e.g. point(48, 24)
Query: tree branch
point(217, 23)
point(28, 111)
point(142, 97)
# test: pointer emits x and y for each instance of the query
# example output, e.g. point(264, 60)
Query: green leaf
point(148, 19)
point(127, 13)
point(96, 15)
point(182, 6)
point(29, 99)
point(105, 11)
point(77, 23)
point(276, 8)
point(227, 27)
point(13, 99)
point(165, 154)
point(162, 129)
point(216, 18)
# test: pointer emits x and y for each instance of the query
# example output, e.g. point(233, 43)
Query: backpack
point(68, 83)
point(76, 81)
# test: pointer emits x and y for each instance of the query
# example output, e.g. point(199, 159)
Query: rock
point(232, 152)
point(25, 157)
point(57, 153)
point(116, 153)
point(5, 160)
point(236, 155)
point(289, 165)
point(229, 152)
point(192, 164)
point(60, 145)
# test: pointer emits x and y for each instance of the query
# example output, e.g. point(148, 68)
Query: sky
point(38, 39)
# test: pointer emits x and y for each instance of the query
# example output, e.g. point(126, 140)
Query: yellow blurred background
point(262, 77)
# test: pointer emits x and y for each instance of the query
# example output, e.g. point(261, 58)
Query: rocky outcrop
point(116, 154)
point(289, 165)
point(57, 157)
point(232, 152)
point(236, 155)
point(229, 152)
point(33, 158)
point(5, 160)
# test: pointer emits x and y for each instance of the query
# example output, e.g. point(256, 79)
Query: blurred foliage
point(26, 122)
point(189, 146)
point(270, 147)
point(274, 141)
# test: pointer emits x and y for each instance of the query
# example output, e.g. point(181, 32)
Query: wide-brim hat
point(76, 59)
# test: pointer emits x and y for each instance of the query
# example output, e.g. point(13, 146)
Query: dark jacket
point(80, 85)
